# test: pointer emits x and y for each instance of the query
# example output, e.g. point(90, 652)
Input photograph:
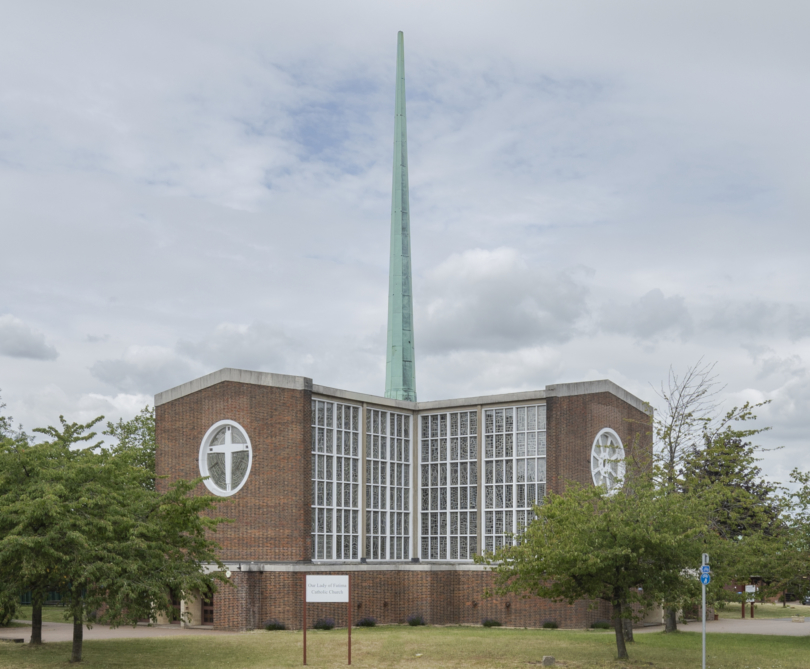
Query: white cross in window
point(228, 448)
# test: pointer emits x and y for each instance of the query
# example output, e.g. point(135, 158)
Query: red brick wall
point(271, 513)
point(441, 597)
point(574, 422)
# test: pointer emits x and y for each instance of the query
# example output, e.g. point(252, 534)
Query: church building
point(401, 494)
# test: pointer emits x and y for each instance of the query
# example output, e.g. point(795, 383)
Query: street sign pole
point(704, 579)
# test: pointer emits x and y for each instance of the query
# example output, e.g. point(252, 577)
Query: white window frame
point(447, 486)
point(203, 458)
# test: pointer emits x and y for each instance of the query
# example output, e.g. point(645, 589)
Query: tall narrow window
point(388, 475)
point(448, 465)
point(514, 470)
point(335, 481)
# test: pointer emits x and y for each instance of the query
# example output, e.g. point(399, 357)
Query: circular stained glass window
point(225, 458)
point(607, 460)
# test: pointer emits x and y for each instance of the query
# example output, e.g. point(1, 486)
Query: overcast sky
point(598, 190)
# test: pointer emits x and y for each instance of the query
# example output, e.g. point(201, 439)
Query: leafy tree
point(136, 441)
point(631, 547)
point(690, 427)
point(86, 521)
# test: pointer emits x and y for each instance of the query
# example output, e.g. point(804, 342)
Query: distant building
point(399, 493)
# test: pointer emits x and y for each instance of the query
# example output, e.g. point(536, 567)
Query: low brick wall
point(448, 597)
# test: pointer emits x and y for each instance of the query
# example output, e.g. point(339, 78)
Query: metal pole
point(350, 618)
point(705, 561)
point(305, 619)
point(704, 626)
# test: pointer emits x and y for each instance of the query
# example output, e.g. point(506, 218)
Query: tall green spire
point(400, 366)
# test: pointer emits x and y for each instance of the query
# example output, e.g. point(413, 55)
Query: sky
point(598, 190)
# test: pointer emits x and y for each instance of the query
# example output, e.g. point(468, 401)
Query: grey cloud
point(760, 317)
point(496, 300)
point(255, 346)
point(145, 369)
point(651, 316)
point(19, 340)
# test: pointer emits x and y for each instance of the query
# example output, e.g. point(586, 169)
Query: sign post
point(750, 596)
point(326, 588)
point(705, 579)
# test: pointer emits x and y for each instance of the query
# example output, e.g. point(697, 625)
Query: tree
point(690, 422)
point(87, 519)
point(626, 548)
point(136, 441)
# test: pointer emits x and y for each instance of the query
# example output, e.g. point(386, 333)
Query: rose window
point(607, 460)
point(225, 458)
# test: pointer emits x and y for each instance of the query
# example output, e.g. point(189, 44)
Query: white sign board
point(327, 588)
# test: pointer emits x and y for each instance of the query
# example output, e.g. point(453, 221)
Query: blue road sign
point(705, 579)
point(705, 569)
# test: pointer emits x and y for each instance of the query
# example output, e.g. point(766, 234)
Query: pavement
point(64, 632)
point(767, 626)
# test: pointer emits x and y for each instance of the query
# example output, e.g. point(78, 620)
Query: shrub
point(490, 622)
point(324, 624)
point(601, 625)
point(550, 625)
point(9, 601)
point(368, 621)
point(416, 619)
point(273, 624)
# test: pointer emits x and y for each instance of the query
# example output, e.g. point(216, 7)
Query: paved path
point(770, 626)
point(64, 632)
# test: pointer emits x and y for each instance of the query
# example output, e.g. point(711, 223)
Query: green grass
point(765, 611)
point(422, 648)
point(50, 614)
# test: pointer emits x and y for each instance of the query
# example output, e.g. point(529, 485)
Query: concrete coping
point(348, 567)
point(304, 383)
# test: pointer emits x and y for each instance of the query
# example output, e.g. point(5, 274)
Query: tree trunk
point(78, 634)
point(36, 617)
point(670, 620)
point(618, 626)
point(627, 629)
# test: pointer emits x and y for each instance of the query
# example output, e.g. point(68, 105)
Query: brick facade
point(442, 597)
point(271, 514)
point(268, 545)
point(574, 422)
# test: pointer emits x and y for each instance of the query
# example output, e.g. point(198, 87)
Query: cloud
point(651, 316)
point(19, 340)
point(760, 317)
point(145, 369)
point(496, 300)
point(255, 346)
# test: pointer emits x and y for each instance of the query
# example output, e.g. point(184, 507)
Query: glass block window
point(448, 465)
point(514, 470)
point(388, 489)
point(335, 481)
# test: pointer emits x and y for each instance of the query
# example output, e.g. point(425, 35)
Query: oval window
point(607, 460)
point(225, 458)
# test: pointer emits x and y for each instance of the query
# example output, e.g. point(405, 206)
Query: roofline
point(304, 383)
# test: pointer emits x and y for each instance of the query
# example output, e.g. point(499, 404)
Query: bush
point(550, 625)
point(490, 622)
point(273, 624)
point(416, 619)
point(9, 601)
point(368, 621)
point(324, 624)
point(601, 625)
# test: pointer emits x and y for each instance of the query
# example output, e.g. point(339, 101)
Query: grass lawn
point(765, 611)
point(422, 648)
point(50, 614)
